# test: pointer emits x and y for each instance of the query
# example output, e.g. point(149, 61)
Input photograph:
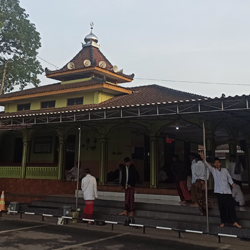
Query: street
point(32, 234)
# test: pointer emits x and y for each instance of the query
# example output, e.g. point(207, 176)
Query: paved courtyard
point(32, 234)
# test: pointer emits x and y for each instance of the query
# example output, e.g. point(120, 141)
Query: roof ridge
point(166, 88)
point(105, 58)
point(54, 71)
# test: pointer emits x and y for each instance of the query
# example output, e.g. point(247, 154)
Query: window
point(49, 104)
point(21, 107)
point(75, 101)
point(42, 144)
point(138, 153)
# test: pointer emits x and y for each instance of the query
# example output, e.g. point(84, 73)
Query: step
point(172, 220)
point(215, 229)
point(117, 195)
point(156, 212)
point(242, 213)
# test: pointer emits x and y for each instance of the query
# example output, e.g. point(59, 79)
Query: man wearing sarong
point(128, 182)
point(89, 189)
point(199, 175)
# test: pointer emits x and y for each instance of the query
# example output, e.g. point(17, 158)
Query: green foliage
point(19, 42)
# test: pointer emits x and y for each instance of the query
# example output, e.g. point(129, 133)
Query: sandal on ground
point(124, 213)
point(194, 205)
point(236, 225)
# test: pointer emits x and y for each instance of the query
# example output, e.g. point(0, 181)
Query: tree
point(19, 42)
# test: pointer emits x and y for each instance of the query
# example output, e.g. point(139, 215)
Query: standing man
point(89, 189)
point(222, 189)
point(180, 172)
point(235, 169)
point(199, 175)
point(128, 180)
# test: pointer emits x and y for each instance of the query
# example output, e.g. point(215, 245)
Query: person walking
point(235, 169)
point(128, 181)
point(222, 189)
point(89, 189)
point(180, 173)
point(199, 175)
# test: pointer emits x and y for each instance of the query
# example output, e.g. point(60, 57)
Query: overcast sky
point(181, 40)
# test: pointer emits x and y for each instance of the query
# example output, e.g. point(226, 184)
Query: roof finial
point(91, 39)
point(91, 25)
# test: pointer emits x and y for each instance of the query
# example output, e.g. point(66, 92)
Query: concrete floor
point(30, 233)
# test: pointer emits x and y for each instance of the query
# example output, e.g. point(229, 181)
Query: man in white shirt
point(89, 189)
point(238, 195)
point(199, 175)
point(222, 189)
point(235, 169)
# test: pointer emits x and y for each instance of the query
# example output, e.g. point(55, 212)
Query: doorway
point(18, 150)
point(70, 152)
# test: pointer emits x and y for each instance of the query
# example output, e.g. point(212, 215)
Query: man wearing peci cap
point(128, 181)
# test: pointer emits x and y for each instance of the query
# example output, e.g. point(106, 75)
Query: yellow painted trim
point(77, 80)
point(65, 91)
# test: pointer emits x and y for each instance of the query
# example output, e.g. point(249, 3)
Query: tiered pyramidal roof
point(89, 62)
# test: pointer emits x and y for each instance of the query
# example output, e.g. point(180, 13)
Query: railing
point(50, 173)
point(113, 223)
point(10, 172)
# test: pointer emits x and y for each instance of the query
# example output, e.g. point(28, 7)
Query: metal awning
point(230, 108)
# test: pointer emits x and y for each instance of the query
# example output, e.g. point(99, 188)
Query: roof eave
point(96, 87)
point(117, 77)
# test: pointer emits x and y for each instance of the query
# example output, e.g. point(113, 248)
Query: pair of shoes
point(126, 213)
point(237, 225)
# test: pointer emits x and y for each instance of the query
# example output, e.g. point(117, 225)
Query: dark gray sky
point(183, 40)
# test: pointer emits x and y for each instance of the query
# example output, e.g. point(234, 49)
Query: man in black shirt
point(128, 181)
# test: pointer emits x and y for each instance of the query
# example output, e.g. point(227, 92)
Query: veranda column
point(24, 159)
point(153, 162)
point(210, 148)
point(103, 161)
point(60, 159)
